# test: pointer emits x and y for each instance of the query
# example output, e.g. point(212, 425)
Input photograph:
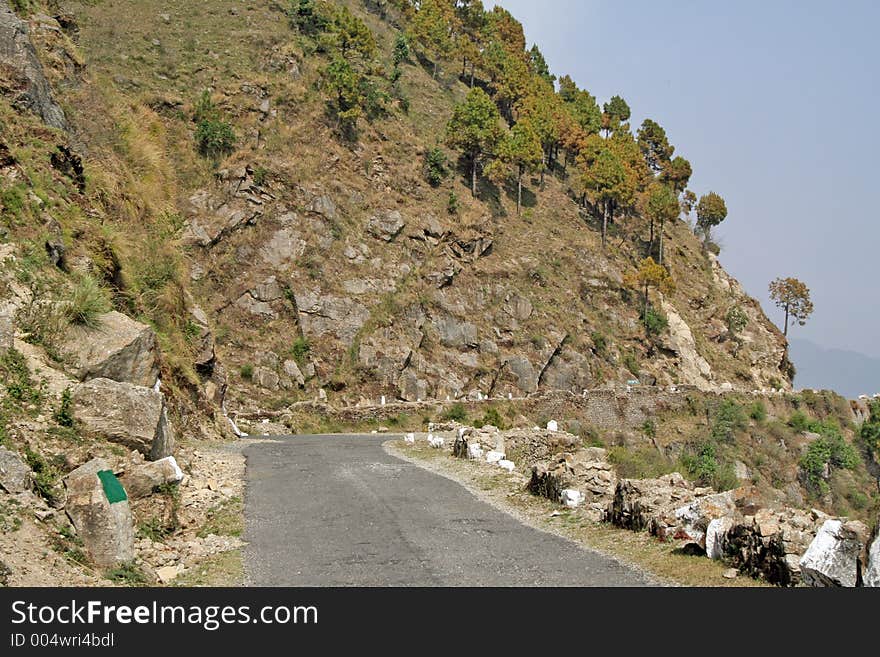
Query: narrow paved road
point(339, 511)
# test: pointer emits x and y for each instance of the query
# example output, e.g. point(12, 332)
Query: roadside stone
point(126, 414)
point(835, 555)
point(167, 574)
point(100, 514)
point(143, 479)
point(15, 475)
point(872, 571)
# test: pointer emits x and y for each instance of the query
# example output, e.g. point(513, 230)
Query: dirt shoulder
point(507, 493)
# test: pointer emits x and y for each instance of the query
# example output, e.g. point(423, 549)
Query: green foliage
point(703, 466)
point(869, 432)
point(128, 574)
point(758, 411)
point(830, 450)
point(475, 126)
point(600, 343)
point(452, 203)
point(261, 175)
point(45, 475)
point(631, 363)
point(246, 371)
point(736, 320)
point(639, 463)
point(16, 378)
point(655, 321)
point(307, 17)
point(649, 429)
point(711, 211)
point(655, 146)
point(64, 414)
point(300, 350)
point(214, 138)
point(400, 53)
point(14, 201)
point(204, 108)
point(456, 413)
point(435, 166)
point(617, 110)
point(493, 417)
point(729, 418)
point(88, 301)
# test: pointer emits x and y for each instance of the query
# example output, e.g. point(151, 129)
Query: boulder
point(99, 510)
point(266, 378)
point(143, 479)
point(571, 498)
point(585, 470)
point(507, 465)
point(292, 370)
point(386, 225)
point(21, 74)
point(15, 475)
point(638, 502)
point(769, 543)
point(872, 570)
point(716, 536)
point(690, 523)
point(834, 558)
point(120, 349)
point(494, 457)
point(126, 414)
point(412, 388)
point(7, 333)
point(455, 333)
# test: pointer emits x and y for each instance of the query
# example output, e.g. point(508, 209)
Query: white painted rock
point(552, 425)
point(435, 441)
point(504, 464)
point(410, 438)
point(571, 497)
point(494, 457)
point(872, 572)
point(475, 451)
point(716, 534)
point(832, 558)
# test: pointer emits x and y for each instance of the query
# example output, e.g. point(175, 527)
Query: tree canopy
point(474, 129)
point(793, 296)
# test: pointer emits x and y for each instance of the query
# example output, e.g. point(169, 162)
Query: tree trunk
point(474, 176)
point(645, 309)
point(604, 221)
point(785, 331)
point(651, 240)
point(472, 75)
point(436, 68)
point(519, 190)
point(661, 241)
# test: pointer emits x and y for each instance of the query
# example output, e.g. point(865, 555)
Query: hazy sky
point(774, 103)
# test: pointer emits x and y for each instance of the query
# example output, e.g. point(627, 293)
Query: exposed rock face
point(120, 349)
point(132, 416)
point(386, 225)
point(21, 74)
point(694, 369)
point(690, 523)
point(100, 513)
point(412, 388)
point(770, 543)
point(834, 558)
point(15, 475)
point(321, 314)
point(143, 479)
point(455, 333)
point(637, 502)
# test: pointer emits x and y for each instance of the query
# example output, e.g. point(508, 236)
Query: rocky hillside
point(313, 261)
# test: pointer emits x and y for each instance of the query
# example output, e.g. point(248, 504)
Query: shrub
point(493, 417)
point(16, 377)
point(300, 350)
point(869, 432)
point(830, 449)
point(64, 415)
point(655, 322)
point(455, 413)
point(736, 320)
point(729, 418)
point(600, 343)
point(214, 138)
point(703, 467)
point(45, 475)
point(247, 371)
point(88, 302)
point(129, 574)
point(649, 429)
point(400, 54)
point(639, 463)
point(452, 204)
point(435, 166)
point(14, 201)
point(799, 422)
point(631, 363)
point(758, 412)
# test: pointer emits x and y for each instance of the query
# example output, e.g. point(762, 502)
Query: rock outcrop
point(15, 475)
point(120, 349)
point(21, 74)
point(586, 471)
point(142, 479)
point(129, 415)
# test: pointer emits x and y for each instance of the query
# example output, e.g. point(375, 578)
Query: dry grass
point(507, 493)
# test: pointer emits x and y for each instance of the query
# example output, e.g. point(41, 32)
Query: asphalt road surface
point(339, 511)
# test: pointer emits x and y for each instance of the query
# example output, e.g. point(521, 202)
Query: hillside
point(182, 183)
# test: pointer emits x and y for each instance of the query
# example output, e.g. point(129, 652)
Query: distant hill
point(847, 372)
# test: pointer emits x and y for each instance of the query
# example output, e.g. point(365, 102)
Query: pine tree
point(518, 153)
point(474, 129)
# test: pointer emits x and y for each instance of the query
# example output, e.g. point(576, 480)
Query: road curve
point(340, 511)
